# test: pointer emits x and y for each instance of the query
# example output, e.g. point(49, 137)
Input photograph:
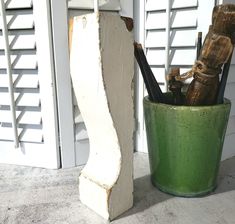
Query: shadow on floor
point(226, 177)
point(146, 195)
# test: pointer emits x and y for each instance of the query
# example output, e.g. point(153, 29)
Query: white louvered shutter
point(33, 86)
point(229, 142)
point(187, 18)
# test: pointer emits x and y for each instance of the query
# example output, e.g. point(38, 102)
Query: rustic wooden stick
point(199, 44)
point(223, 81)
point(216, 50)
point(154, 91)
point(175, 87)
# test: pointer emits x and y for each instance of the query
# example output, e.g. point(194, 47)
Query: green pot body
point(185, 145)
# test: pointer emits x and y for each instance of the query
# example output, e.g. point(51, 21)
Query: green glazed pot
point(185, 145)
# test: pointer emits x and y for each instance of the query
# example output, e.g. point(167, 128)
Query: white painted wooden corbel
point(102, 70)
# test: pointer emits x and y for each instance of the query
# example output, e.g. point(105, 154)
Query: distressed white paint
point(102, 73)
point(77, 8)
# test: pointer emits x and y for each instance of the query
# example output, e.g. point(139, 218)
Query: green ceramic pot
point(185, 145)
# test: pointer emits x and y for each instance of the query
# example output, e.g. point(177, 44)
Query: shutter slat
point(26, 135)
point(159, 74)
point(18, 4)
point(153, 5)
point(177, 57)
point(161, 85)
point(157, 20)
point(6, 133)
point(23, 42)
point(77, 115)
point(31, 135)
point(25, 62)
point(28, 99)
point(29, 117)
point(80, 132)
point(20, 61)
point(182, 57)
point(27, 81)
point(22, 99)
point(156, 57)
point(20, 81)
point(178, 38)
point(23, 117)
point(18, 42)
point(19, 21)
point(4, 98)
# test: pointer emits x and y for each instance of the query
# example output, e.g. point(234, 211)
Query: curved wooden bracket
point(102, 69)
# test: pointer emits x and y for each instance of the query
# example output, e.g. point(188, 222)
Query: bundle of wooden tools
point(214, 58)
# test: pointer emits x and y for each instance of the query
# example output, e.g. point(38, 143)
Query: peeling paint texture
point(102, 70)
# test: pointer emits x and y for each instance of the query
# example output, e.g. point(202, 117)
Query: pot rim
point(226, 102)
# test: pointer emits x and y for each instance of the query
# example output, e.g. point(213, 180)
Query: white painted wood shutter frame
point(59, 17)
point(34, 87)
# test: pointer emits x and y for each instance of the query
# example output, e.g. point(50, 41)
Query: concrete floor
point(34, 195)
